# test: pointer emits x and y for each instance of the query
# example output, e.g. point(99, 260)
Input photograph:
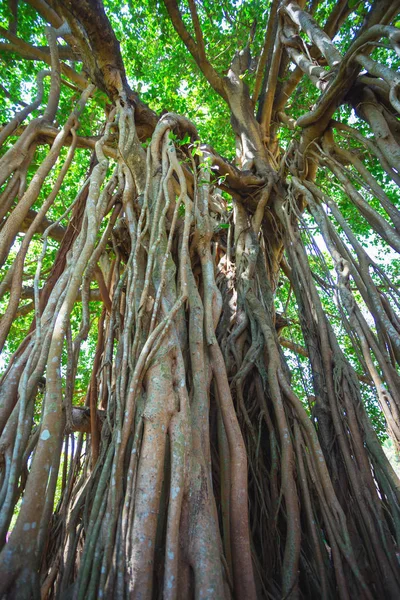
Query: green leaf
point(185, 140)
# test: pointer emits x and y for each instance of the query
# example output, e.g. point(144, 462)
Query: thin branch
point(13, 21)
point(57, 231)
point(94, 294)
point(47, 12)
point(267, 49)
point(197, 30)
point(36, 54)
point(8, 95)
point(47, 135)
point(64, 52)
point(196, 50)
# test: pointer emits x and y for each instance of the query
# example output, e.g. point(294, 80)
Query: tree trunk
point(195, 469)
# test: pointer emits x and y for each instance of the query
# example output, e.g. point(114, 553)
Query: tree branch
point(270, 81)
point(8, 95)
point(13, 21)
point(94, 295)
point(196, 50)
point(315, 33)
point(100, 52)
point(64, 52)
point(97, 43)
point(266, 52)
point(197, 30)
point(47, 134)
point(57, 231)
point(47, 12)
point(36, 53)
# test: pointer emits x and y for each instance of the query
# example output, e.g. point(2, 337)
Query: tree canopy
point(199, 299)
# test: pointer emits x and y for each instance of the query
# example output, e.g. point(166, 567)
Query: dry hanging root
point(162, 407)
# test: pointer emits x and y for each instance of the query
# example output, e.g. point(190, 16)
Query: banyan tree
point(200, 306)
